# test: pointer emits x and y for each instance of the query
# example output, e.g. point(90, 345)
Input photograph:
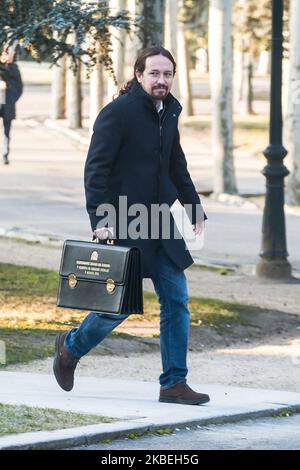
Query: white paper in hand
point(194, 243)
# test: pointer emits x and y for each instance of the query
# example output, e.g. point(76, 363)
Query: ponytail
point(125, 88)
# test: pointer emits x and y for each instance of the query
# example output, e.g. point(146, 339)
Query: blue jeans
point(171, 288)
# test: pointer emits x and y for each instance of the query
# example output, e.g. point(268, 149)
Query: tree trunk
point(118, 52)
point(96, 93)
point(220, 47)
point(183, 72)
point(238, 58)
point(250, 88)
point(170, 38)
point(243, 73)
point(133, 43)
point(74, 98)
point(292, 127)
point(58, 90)
point(153, 30)
point(246, 94)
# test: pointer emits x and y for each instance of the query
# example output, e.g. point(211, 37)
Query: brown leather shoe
point(181, 393)
point(64, 364)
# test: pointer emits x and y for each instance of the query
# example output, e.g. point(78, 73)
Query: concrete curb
point(42, 239)
point(25, 236)
point(55, 242)
point(88, 435)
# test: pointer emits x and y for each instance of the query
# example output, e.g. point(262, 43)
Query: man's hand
point(104, 232)
point(2, 85)
point(198, 227)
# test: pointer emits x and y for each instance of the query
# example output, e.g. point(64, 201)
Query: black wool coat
point(136, 153)
point(11, 75)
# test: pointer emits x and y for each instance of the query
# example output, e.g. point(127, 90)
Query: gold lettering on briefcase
point(72, 279)
point(94, 256)
point(92, 268)
point(110, 285)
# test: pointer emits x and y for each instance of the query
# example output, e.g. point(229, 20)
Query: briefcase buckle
point(110, 286)
point(72, 279)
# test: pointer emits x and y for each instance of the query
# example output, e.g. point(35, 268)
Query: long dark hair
point(140, 64)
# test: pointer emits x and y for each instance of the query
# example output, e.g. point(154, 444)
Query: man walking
point(135, 152)
point(11, 88)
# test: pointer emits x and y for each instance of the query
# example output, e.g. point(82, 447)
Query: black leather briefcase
point(104, 278)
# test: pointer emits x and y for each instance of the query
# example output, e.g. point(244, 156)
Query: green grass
point(29, 318)
point(26, 345)
point(284, 413)
point(215, 269)
point(157, 432)
point(26, 281)
point(18, 419)
point(205, 312)
point(203, 124)
point(250, 136)
point(27, 242)
point(256, 122)
point(218, 314)
point(163, 431)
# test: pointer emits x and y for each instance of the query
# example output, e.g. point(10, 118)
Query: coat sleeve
point(180, 176)
point(103, 150)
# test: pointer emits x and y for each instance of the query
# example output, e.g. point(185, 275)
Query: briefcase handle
point(109, 241)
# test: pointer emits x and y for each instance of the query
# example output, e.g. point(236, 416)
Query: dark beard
point(160, 97)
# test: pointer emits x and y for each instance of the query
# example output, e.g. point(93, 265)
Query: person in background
point(11, 88)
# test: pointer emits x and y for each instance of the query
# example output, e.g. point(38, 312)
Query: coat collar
point(169, 101)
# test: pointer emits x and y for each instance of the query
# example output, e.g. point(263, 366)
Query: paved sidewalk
point(135, 403)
